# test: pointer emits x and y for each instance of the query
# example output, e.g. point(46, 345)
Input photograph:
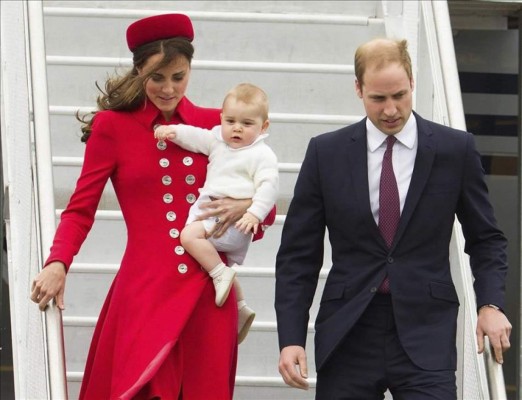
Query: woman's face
point(166, 86)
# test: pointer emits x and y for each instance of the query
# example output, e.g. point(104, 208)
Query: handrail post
point(45, 198)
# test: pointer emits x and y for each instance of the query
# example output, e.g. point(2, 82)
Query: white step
point(86, 291)
point(307, 92)
point(289, 133)
point(274, 389)
point(277, 36)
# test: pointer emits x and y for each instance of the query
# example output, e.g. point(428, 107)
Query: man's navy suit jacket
point(332, 192)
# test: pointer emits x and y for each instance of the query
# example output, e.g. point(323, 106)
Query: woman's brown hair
point(126, 93)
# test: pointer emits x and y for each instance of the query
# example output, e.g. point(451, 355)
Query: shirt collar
point(407, 136)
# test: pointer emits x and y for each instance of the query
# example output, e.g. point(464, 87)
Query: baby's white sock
point(217, 270)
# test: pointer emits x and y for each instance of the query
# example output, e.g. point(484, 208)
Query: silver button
point(174, 233)
point(182, 268)
point(190, 179)
point(179, 250)
point(164, 162)
point(171, 216)
point(162, 145)
point(191, 198)
point(167, 198)
point(373, 289)
point(188, 161)
point(167, 180)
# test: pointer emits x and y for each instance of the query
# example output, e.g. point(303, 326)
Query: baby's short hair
point(250, 94)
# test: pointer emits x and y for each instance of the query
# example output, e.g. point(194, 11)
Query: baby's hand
point(248, 223)
point(164, 132)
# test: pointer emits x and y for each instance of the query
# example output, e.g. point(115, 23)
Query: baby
point(241, 166)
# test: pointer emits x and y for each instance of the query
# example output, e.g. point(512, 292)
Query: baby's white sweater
point(250, 172)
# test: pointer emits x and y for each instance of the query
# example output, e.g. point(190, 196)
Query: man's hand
point(493, 324)
point(293, 367)
point(49, 284)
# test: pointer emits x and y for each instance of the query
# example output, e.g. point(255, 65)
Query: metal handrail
point(45, 198)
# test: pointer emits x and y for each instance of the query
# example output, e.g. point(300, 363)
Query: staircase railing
point(448, 109)
point(45, 197)
point(38, 354)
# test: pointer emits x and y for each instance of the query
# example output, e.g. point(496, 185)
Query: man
point(389, 308)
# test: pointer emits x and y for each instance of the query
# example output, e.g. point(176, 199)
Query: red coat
point(158, 283)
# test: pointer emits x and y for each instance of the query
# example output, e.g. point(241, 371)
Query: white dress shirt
point(404, 153)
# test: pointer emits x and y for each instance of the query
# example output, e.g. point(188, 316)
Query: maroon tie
point(389, 203)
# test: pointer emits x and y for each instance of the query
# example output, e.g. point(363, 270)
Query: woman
point(151, 340)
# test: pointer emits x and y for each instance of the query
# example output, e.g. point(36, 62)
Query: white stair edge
point(269, 381)
point(92, 61)
point(94, 268)
point(333, 19)
point(274, 117)
point(261, 326)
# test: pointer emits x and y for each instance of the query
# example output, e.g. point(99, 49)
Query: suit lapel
point(357, 155)
point(421, 172)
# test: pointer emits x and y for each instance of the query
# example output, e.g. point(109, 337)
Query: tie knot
point(390, 141)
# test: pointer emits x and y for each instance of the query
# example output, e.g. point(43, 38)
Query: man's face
point(387, 97)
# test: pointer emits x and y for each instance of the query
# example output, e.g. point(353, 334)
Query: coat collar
point(149, 115)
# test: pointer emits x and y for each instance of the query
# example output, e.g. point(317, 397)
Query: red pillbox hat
point(157, 27)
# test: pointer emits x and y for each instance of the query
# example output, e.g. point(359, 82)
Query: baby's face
point(241, 123)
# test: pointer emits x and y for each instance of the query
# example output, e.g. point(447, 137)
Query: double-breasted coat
point(158, 283)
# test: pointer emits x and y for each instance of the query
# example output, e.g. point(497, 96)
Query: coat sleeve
point(485, 242)
point(77, 219)
point(300, 256)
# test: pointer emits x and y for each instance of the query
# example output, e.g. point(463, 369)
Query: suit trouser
point(371, 360)
point(202, 364)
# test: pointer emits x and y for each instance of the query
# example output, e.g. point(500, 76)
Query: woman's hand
point(49, 284)
point(227, 212)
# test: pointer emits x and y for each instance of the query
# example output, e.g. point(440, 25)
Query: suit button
point(191, 198)
point(164, 162)
point(179, 250)
point(171, 216)
point(182, 268)
point(174, 233)
point(161, 145)
point(188, 161)
point(373, 289)
point(390, 260)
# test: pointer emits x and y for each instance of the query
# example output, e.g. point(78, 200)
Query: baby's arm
point(248, 223)
point(165, 132)
point(191, 138)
